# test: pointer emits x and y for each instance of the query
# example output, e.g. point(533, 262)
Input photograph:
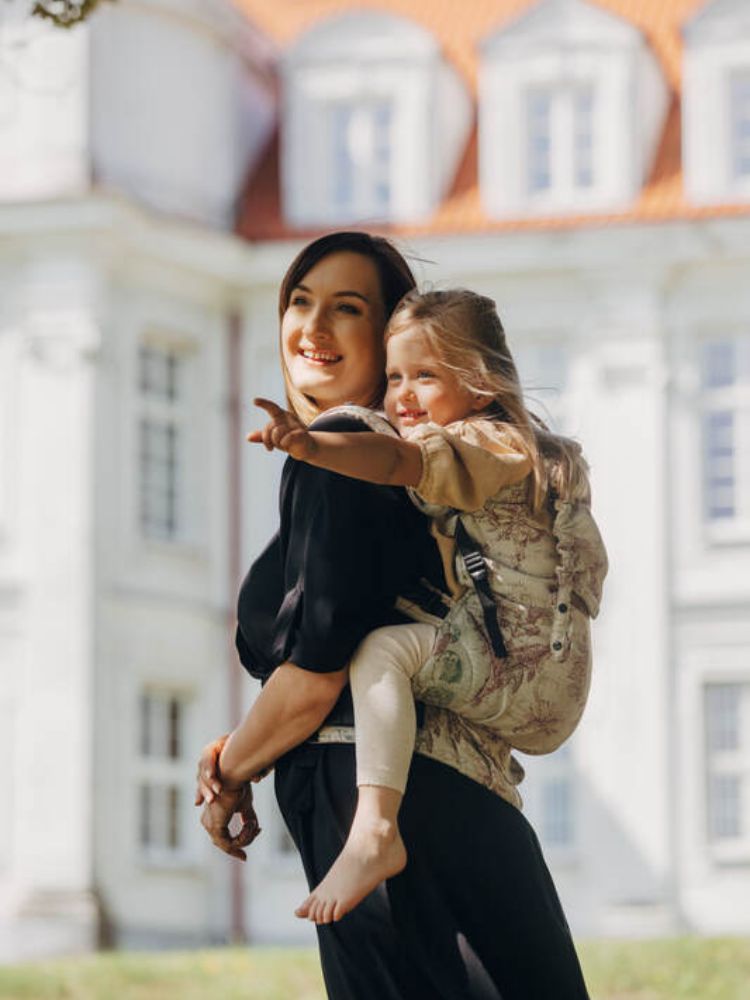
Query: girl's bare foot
point(374, 851)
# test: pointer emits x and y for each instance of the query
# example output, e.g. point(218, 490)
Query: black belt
point(476, 567)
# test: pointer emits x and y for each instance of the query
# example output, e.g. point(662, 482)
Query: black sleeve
point(350, 574)
point(344, 552)
point(258, 604)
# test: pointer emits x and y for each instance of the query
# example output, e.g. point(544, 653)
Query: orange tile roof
point(460, 28)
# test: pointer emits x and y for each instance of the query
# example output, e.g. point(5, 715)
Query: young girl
point(487, 471)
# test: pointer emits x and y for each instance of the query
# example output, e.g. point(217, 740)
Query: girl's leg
point(380, 677)
point(365, 957)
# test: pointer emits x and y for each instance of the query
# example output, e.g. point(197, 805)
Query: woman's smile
point(320, 357)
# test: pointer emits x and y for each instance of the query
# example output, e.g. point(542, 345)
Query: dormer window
point(716, 103)
point(374, 124)
point(572, 107)
point(739, 110)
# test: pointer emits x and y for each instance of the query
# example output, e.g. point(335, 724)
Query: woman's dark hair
point(395, 274)
point(395, 278)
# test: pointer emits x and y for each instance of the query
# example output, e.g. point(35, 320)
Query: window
point(539, 141)
point(559, 140)
point(161, 385)
point(163, 776)
point(557, 812)
point(583, 138)
point(739, 110)
point(725, 378)
point(556, 820)
point(727, 735)
point(549, 797)
point(161, 726)
point(361, 158)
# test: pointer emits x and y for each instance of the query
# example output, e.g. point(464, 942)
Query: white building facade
point(135, 327)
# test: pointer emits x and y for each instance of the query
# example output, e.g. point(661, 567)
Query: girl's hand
point(208, 780)
point(283, 431)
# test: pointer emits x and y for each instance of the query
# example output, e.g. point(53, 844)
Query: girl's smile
point(421, 388)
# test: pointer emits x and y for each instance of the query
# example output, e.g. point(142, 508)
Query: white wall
point(178, 112)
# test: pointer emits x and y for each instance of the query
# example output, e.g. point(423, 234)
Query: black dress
point(475, 915)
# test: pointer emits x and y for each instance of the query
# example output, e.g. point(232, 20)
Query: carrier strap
point(476, 567)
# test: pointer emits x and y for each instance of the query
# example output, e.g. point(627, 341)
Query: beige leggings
point(381, 674)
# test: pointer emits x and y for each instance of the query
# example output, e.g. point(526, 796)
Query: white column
point(52, 818)
point(623, 745)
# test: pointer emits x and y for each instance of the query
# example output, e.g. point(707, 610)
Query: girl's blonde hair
point(465, 332)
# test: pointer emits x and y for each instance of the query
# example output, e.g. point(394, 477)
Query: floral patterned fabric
point(533, 699)
point(546, 571)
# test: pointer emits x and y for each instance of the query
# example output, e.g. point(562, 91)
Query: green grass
point(675, 969)
point(227, 973)
point(678, 969)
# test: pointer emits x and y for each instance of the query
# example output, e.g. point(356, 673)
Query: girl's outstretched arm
point(374, 458)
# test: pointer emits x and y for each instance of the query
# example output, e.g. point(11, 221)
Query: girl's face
point(332, 331)
point(421, 388)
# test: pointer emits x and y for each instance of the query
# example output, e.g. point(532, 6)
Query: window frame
point(738, 74)
point(163, 412)
point(733, 398)
point(562, 168)
point(152, 770)
point(726, 851)
point(543, 772)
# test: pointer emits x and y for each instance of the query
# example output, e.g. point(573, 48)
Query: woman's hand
point(208, 778)
point(217, 815)
point(283, 431)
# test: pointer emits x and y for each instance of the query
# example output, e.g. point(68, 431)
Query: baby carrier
point(580, 572)
point(513, 651)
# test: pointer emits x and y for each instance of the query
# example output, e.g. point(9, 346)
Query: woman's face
point(332, 331)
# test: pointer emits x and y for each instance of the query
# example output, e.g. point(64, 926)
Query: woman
point(474, 914)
